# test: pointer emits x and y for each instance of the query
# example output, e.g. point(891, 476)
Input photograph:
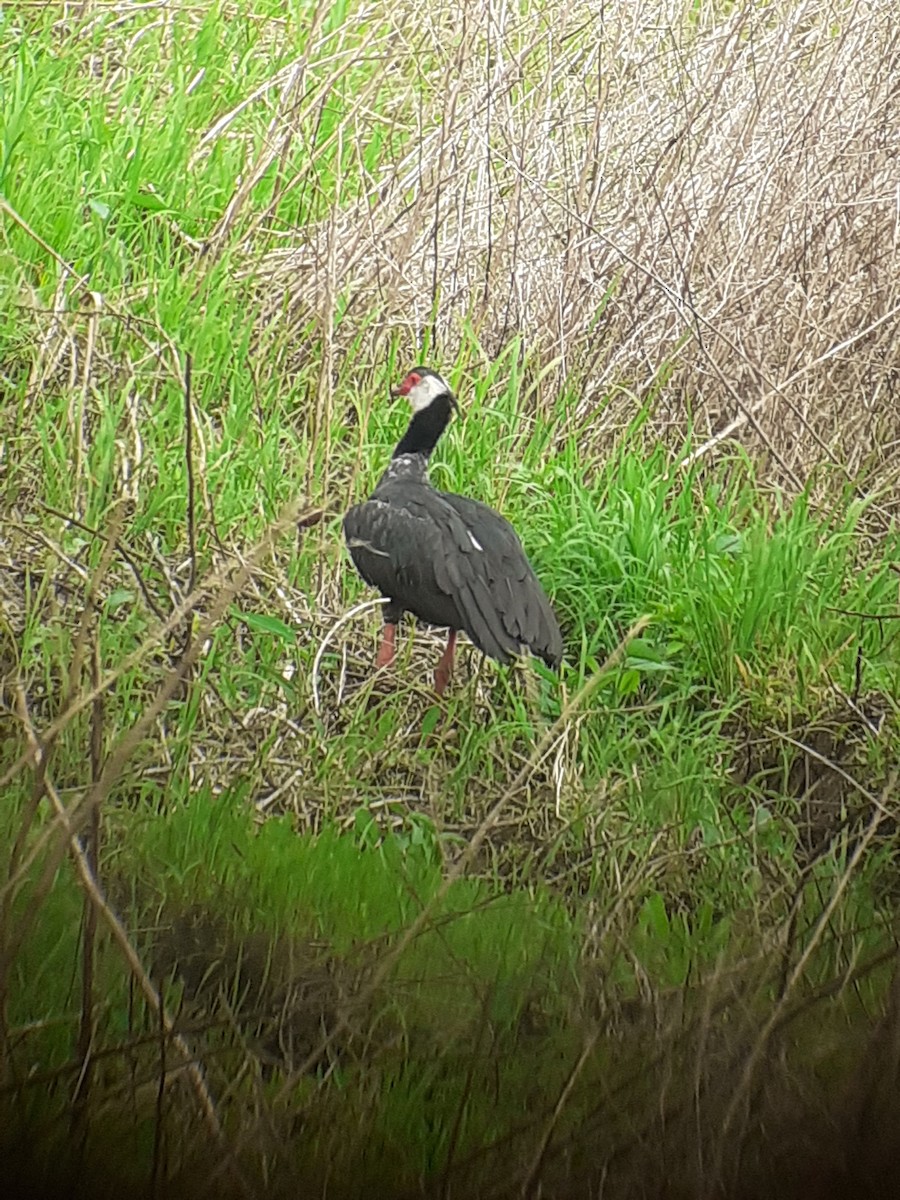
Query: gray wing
point(456, 563)
point(400, 553)
point(515, 590)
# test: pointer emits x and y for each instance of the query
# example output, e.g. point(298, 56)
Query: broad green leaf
point(267, 624)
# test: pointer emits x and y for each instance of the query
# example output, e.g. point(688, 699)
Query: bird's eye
point(414, 379)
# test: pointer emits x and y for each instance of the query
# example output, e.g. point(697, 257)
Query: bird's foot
point(385, 655)
point(444, 669)
point(442, 675)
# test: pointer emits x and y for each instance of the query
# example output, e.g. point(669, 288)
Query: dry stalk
point(776, 1016)
point(736, 240)
point(122, 942)
point(530, 1184)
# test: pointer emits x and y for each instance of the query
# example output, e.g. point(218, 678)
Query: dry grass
point(685, 221)
point(692, 211)
point(696, 211)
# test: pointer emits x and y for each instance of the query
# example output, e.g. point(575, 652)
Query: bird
point(451, 561)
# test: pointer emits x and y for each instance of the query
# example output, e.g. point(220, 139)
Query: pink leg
point(385, 655)
point(444, 669)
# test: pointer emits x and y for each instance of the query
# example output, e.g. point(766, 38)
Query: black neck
point(426, 427)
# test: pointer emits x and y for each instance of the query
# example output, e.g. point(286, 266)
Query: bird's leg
point(385, 655)
point(444, 669)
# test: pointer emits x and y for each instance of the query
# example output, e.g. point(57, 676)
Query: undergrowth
point(271, 920)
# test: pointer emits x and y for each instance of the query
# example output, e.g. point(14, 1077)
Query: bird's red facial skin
point(407, 385)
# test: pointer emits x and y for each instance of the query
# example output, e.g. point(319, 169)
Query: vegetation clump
point(271, 922)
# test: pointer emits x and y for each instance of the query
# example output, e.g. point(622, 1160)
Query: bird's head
point(422, 387)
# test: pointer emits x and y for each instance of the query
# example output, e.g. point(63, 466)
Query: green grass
point(644, 891)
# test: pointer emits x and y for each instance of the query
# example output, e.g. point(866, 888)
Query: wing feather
point(515, 590)
point(454, 562)
point(400, 553)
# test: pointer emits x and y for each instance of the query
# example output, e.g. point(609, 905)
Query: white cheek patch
point(427, 389)
point(474, 540)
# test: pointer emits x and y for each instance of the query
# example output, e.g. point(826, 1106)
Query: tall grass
point(271, 920)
